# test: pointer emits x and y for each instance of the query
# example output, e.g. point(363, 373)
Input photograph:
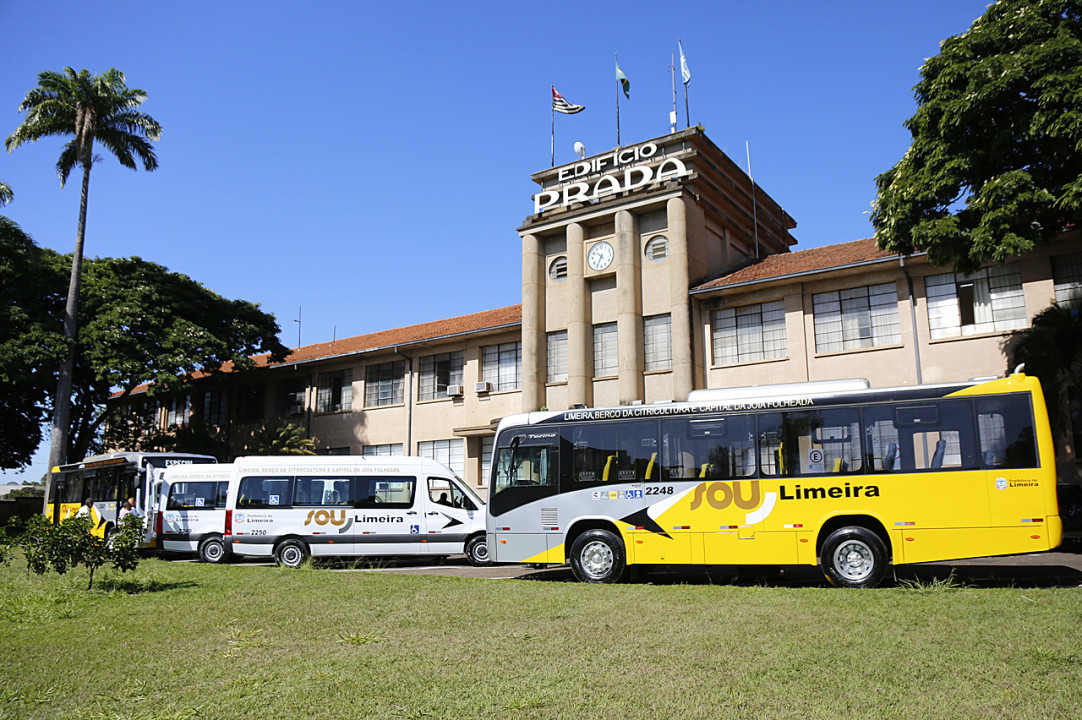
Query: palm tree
point(90, 108)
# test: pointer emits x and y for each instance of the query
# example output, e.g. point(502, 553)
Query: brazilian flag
point(624, 82)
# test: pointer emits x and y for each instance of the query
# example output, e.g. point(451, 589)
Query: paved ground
point(1039, 569)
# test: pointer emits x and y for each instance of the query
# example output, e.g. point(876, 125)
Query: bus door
point(387, 515)
point(527, 523)
point(612, 470)
point(707, 485)
point(449, 514)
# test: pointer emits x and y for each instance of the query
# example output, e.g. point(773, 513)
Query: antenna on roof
point(298, 321)
point(754, 205)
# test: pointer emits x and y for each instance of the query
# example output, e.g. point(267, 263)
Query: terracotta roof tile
point(791, 263)
point(476, 322)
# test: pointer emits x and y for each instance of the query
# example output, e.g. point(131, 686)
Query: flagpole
point(672, 69)
point(553, 144)
point(687, 116)
point(617, 59)
point(685, 75)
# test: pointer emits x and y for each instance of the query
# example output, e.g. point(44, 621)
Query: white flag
point(685, 72)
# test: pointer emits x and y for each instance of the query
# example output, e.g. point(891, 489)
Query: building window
point(989, 300)
point(657, 249)
point(501, 365)
point(292, 398)
point(749, 334)
point(384, 383)
point(180, 408)
point(387, 450)
point(657, 342)
point(557, 356)
point(215, 407)
point(250, 403)
point(448, 452)
point(856, 318)
point(605, 360)
point(486, 459)
point(558, 269)
point(439, 371)
point(335, 392)
point(1067, 273)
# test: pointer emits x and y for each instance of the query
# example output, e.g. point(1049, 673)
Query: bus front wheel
point(212, 550)
point(597, 556)
point(291, 553)
point(854, 557)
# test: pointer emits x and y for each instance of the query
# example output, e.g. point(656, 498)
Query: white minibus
point(193, 515)
point(292, 507)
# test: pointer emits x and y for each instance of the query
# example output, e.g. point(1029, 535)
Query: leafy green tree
point(29, 490)
point(1051, 349)
point(31, 345)
point(995, 167)
point(6, 195)
point(281, 437)
point(145, 325)
point(91, 109)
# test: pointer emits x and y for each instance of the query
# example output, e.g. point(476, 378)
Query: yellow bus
point(833, 474)
point(109, 480)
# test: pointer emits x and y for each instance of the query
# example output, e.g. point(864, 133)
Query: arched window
point(558, 269)
point(657, 249)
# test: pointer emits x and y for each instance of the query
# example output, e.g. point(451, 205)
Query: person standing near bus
point(86, 510)
point(125, 511)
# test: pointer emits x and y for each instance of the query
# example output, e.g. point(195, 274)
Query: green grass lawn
point(185, 640)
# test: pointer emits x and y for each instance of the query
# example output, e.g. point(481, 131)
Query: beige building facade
point(647, 272)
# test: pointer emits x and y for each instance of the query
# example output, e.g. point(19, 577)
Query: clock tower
point(608, 257)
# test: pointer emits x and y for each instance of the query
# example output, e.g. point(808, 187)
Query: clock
point(600, 256)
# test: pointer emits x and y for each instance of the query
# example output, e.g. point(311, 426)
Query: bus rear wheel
point(854, 557)
point(291, 553)
point(597, 556)
point(212, 550)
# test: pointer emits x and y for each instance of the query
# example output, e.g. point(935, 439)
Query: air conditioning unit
point(454, 391)
point(482, 387)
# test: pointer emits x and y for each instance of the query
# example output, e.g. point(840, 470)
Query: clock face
point(600, 256)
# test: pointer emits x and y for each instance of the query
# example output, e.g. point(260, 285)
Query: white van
point(193, 510)
point(292, 507)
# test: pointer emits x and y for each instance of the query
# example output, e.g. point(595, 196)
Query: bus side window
point(717, 448)
point(1005, 429)
point(810, 442)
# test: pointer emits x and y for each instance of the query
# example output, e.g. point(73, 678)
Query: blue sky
point(370, 162)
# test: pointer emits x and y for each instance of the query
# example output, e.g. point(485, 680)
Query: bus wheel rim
point(854, 560)
point(597, 559)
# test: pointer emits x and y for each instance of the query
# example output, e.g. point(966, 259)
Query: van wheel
point(477, 551)
point(212, 550)
point(291, 553)
point(854, 557)
point(597, 556)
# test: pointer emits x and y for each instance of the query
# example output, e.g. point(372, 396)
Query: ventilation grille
point(550, 517)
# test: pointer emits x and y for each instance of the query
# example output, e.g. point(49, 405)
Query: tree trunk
point(58, 448)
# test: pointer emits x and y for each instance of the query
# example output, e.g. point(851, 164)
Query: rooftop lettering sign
point(622, 170)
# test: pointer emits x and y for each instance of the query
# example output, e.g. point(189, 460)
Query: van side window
point(321, 491)
point(264, 492)
point(442, 491)
point(384, 491)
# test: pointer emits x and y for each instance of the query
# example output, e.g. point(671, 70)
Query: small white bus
point(193, 515)
point(290, 508)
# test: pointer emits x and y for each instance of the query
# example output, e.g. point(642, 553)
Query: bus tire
point(597, 556)
point(477, 551)
point(291, 553)
point(854, 557)
point(212, 550)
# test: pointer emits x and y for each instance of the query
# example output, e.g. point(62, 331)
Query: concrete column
point(628, 309)
point(679, 284)
point(580, 348)
point(534, 347)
